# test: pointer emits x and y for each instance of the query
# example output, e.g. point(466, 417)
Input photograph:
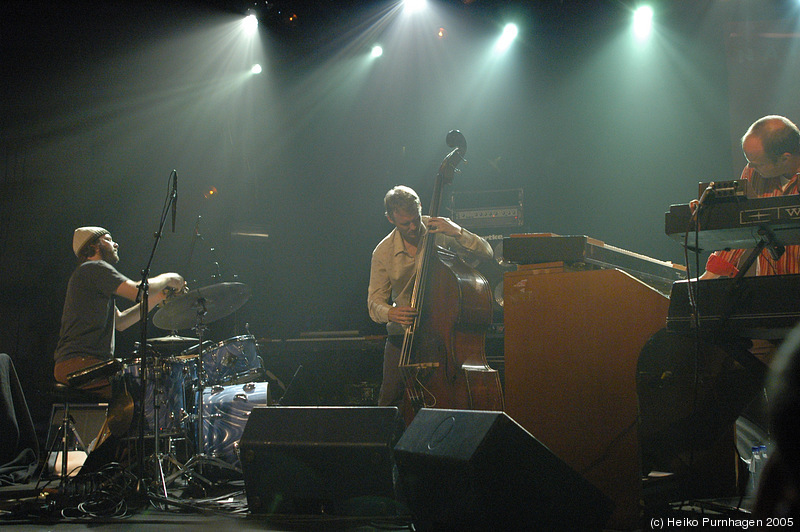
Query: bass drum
point(225, 413)
point(233, 361)
point(165, 407)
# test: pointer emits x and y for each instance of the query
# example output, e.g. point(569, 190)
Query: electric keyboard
point(738, 224)
point(766, 306)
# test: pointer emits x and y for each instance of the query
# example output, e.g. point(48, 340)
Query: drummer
point(90, 314)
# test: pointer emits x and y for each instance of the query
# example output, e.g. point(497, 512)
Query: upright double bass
point(442, 359)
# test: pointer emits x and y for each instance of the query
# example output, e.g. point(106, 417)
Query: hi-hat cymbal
point(173, 339)
point(169, 345)
point(201, 305)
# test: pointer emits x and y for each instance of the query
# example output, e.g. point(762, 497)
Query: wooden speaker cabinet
point(572, 341)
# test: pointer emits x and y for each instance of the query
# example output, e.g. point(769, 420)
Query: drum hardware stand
point(193, 310)
point(158, 456)
point(196, 463)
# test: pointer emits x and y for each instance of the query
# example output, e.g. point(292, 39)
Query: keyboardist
point(771, 146)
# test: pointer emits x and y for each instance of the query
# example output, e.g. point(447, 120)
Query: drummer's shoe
point(111, 449)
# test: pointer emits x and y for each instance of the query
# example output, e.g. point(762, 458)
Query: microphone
point(174, 197)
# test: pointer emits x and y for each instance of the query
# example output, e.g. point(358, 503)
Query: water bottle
point(754, 467)
point(763, 458)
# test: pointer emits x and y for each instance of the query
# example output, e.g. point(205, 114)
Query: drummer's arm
point(156, 294)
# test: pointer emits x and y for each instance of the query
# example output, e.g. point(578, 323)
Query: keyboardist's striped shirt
point(789, 262)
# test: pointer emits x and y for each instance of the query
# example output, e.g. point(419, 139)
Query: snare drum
point(225, 413)
point(165, 394)
point(234, 361)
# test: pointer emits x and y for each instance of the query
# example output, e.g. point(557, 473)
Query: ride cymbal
point(201, 305)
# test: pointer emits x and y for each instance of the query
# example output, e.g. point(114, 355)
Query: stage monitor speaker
point(320, 460)
point(478, 470)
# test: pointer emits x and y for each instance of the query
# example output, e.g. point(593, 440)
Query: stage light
point(412, 6)
point(255, 69)
point(642, 22)
point(510, 33)
point(377, 51)
point(210, 192)
point(250, 24)
point(442, 33)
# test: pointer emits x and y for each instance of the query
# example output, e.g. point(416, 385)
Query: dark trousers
point(393, 385)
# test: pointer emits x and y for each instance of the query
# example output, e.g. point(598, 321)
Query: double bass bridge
point(421, 365)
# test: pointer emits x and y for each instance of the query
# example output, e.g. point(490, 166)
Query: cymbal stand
point(196, 463)
point(159, 457)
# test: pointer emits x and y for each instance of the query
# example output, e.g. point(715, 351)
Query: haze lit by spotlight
point(250, 24)
point(412, 6)
point(510, 33)
point(255, 69)
point(643, 22)
point(377, 51)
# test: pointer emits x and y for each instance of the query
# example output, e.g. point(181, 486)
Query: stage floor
point(27, 508)
point(226, 509)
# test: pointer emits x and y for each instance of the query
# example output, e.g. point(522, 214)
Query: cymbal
point(173, 340)
point(207, 304)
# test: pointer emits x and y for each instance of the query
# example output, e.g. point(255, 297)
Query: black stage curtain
point(19, 447)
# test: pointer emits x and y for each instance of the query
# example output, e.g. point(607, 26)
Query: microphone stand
point(187, 267)
point(216, 276)
point(143, 299)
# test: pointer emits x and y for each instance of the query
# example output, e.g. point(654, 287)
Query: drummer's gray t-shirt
point(87, 323)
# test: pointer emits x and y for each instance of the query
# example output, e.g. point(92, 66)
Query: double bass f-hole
point(442, 358)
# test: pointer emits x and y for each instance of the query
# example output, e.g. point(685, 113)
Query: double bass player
point(393, 271)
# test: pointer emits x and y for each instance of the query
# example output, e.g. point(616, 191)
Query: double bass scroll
point(442, 358)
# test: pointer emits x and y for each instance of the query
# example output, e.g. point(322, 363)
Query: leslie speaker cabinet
point(572, 341)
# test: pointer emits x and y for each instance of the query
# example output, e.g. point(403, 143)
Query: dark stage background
point(101, 101)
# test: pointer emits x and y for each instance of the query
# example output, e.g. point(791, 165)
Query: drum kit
point(195, 390)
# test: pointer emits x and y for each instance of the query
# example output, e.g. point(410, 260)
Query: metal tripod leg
point(65, 429)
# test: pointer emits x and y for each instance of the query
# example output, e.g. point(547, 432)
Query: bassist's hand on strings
point(443, 225)
point(402, 315)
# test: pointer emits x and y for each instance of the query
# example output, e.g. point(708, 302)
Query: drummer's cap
point(84, 235)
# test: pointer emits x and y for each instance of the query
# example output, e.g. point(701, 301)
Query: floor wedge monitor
point(320, 460)
point(477, 470)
